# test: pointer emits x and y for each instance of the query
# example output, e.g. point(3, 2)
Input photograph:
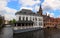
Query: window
point(40, 23)
point(23, 18)
point(26, 18)
point(36, 19)
point(19, 18)
point(30, 18)
point(33, 19)
point(40, 19)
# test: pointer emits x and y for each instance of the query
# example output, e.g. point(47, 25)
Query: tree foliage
point(12, 21)
point(1, 21)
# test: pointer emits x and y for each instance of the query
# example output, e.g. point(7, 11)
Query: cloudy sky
point(8, 8)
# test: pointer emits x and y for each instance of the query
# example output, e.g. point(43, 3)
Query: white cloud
point(54, 4)
point(26, 8)
point(9, 16)
point(10, 10)
point(36, 8)
point(50, 6)
point(5, 11)
point(9, 13)
point(28, 2)
point(3, 3)
point(50, 14)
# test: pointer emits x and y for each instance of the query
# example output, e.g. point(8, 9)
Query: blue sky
point(14, 5)
point(8, 8)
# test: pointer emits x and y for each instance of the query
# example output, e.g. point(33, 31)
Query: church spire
point(40, 10)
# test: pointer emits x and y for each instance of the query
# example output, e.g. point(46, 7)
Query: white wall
point(36, 23)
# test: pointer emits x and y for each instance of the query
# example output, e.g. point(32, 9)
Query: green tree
point(12, 21)
point(1, 21)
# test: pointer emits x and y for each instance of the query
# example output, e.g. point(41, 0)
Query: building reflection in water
point(7, 32)
point(33, 34)
point(45, 33)
point(52, 33)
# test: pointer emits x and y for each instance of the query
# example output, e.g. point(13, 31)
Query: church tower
point(40, 11)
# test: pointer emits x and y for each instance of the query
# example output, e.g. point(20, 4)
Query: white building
point(28, 18)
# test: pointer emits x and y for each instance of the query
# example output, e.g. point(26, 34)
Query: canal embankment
point(21, 29)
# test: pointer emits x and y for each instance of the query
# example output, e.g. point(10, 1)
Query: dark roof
point(21, 21)
point(26, 12)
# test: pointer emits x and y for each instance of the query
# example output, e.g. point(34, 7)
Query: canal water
point(7, 32)
point(33, 34)
point(44, 33)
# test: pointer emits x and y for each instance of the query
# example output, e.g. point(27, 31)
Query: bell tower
point(40, 11)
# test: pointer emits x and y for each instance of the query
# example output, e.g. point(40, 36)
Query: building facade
point(49, 21)
point(28, 18)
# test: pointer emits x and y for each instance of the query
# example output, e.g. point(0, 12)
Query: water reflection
point(44, 33)
point(52, 33)
point(33, 34)
point(6, 32)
